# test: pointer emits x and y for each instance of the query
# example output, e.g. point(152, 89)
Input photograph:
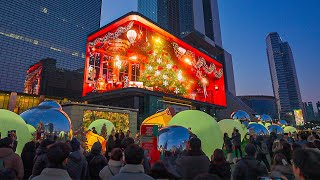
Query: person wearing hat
point(248, 167)
point(77, 163)
point(9, 159)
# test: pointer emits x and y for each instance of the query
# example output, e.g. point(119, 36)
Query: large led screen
point(133, 52)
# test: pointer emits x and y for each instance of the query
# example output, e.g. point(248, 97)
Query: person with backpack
point(9, 159)
point(77, 164)
point(262, 151)
point(96, 161)
point(114, 165)
point(248, 167)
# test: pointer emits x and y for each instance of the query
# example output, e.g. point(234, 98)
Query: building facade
point(44, 78)
point(283, 74)
point(33, 30)
point(262, 105)
point(181, 17)
point(308, 111)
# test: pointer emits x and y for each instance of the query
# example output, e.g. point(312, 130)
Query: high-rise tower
point(283, 74)
point(181, 17)
point(34, 30)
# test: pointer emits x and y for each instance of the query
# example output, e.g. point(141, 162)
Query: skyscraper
point(318, 110)
point(183, 16)
point(283, 74)
point(33, 30)
point(309, 112)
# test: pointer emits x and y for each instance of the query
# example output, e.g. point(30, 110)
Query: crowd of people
point(293, 156)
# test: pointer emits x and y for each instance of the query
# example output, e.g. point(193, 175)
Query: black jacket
point(77, 165)
point(96, 161)
point(222, 170)
point(236, 139)
point(40, 161)
point(249, 168)
point(27, 156)
point(192, 164)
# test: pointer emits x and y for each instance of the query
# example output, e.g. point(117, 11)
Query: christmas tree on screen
point(161, 73)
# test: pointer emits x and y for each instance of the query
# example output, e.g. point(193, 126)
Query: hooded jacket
point(53, 174)
point(12, 160)
point(112, 169)
point(249, 168)
point(192, 164)
point(223, 170)
point(96, 161)
point(77, 165)
point(40, 161)
point(132, 172)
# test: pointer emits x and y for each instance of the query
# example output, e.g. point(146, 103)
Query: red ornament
point(150, 52)
point(175, 67)
point(160, 68)
point(167, 54)
point(149, 77)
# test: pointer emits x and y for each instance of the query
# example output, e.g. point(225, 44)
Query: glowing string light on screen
point(134, 51)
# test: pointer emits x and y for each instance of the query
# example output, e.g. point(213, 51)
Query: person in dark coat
point(96, 161)
point(41, 159)
point(286, 151)
point(77, 163)
point(281, 167)
point(236, 136)
point(57, 155)
point(193, 162)
point(159, 171)
point(305, 164)
point(133, 170)
point(117, 142)
point(219, 166)
point(228, 146)
point(27, 156)
point(9, 158)
point(94, 130)
point(261, 155)
point(110, 146)
point(249, 168)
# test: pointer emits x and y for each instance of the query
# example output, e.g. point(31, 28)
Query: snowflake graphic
point(159, 60)
point(165, 83)
point(176, 90)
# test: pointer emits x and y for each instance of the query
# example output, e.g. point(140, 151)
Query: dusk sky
point(244, 26)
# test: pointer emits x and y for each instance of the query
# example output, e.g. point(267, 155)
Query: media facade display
point(134, 52)
point(298, 115)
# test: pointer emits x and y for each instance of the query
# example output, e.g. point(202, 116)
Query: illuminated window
point(44, 10)
point(135, 72)
point(123, 72)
